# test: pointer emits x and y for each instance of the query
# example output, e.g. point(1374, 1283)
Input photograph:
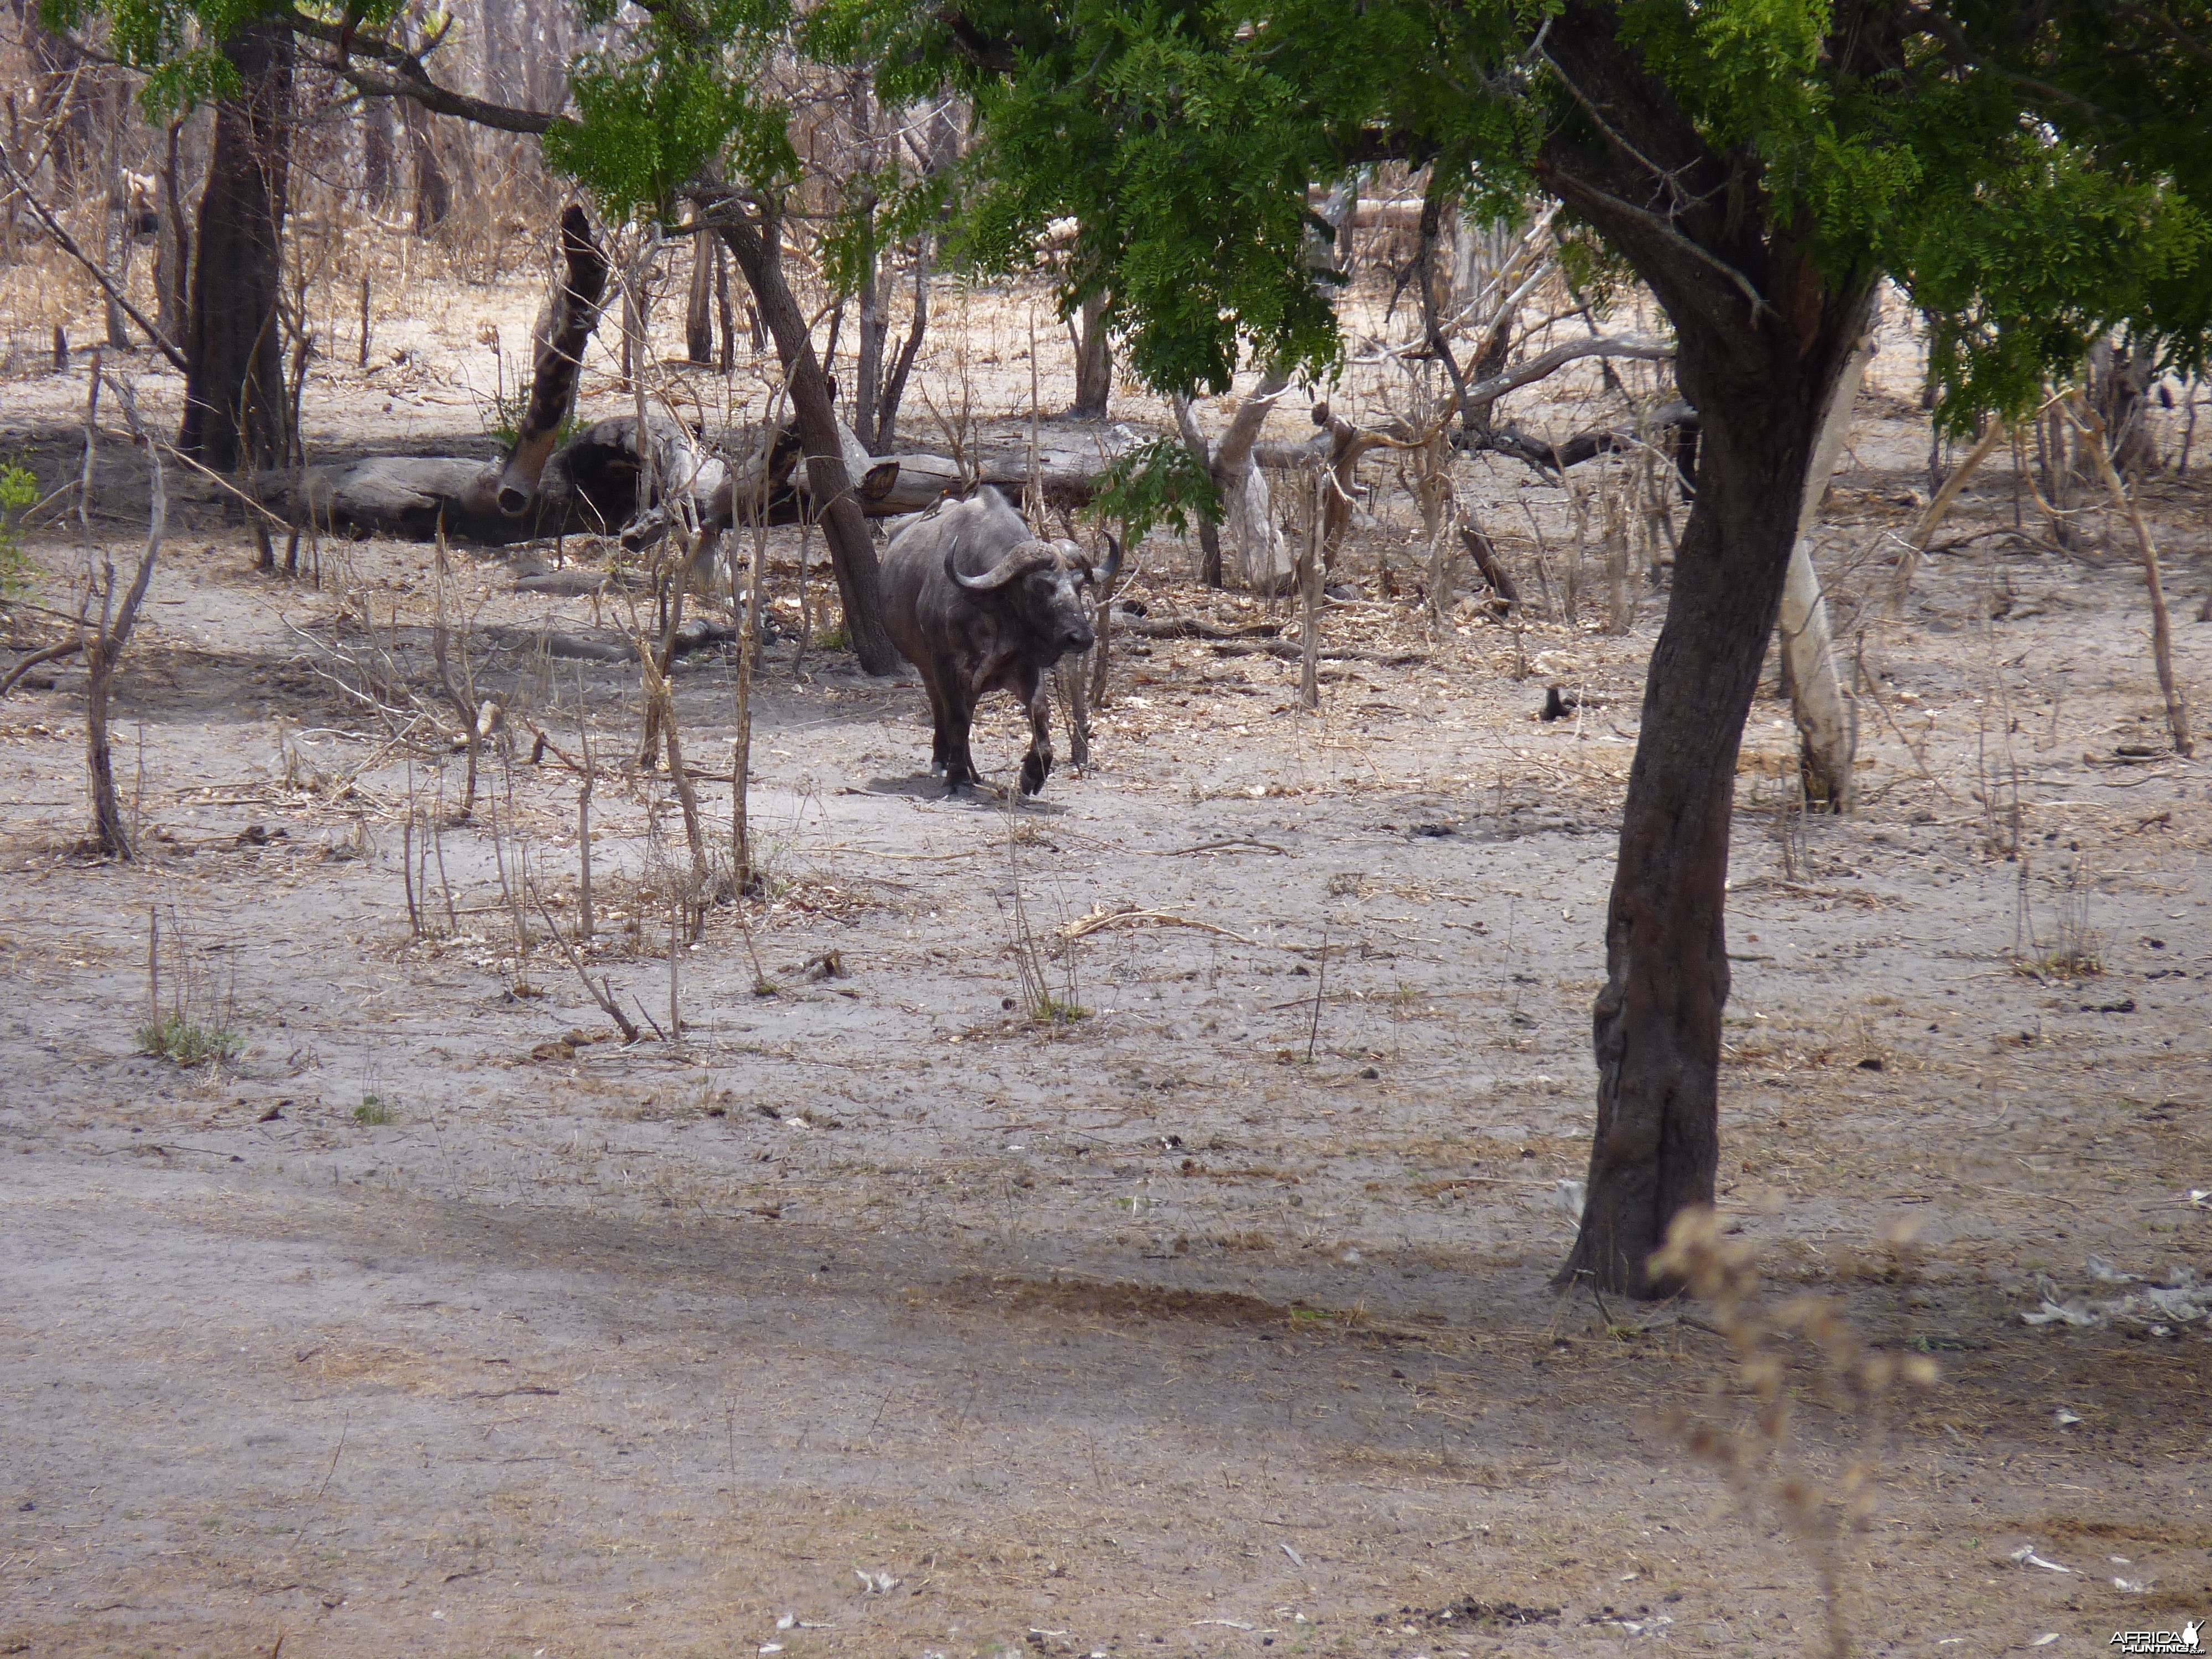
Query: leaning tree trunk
point(1761, 390)
point(234, 399)
point(1094, 361)
point(557, 365)
point(1827, 723)
point(758, 250)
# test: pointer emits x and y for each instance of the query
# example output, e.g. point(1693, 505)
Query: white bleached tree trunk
point(1827, 718)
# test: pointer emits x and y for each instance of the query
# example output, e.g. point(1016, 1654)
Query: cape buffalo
point(978, 605)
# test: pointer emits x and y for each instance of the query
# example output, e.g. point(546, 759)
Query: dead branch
point(49, 653)
point(68, 244)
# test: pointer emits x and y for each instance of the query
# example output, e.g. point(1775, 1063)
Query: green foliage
point(178, 1037)
point(1155, 483)
point(19, 489)
point(2032, 176)
point(503, 412)
point(649, 122)
point(373, 1112)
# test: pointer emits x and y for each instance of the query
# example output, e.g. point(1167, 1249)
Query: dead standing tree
point(104, 644)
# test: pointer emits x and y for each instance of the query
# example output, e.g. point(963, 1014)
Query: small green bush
point(19, 489)
point(186, 1040)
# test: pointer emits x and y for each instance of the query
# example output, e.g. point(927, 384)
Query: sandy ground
point(870, 1316)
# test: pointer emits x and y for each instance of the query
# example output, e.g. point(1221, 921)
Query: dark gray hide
point(978, 605)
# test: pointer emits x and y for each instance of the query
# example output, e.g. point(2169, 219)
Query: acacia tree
point(2029, 170)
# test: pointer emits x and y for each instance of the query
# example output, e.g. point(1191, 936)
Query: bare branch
point(68, 244)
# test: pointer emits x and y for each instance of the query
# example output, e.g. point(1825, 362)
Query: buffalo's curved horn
point(1028, 556)
point(1113, 565)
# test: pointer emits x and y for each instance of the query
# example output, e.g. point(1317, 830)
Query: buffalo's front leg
point(1036, 765)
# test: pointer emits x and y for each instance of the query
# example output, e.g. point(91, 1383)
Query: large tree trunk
point(1657, 1024)
point(757, 247)
point(1762, 338)
point(377, 151)
point(2118, 381)
point(433, 193)
point(234, 400)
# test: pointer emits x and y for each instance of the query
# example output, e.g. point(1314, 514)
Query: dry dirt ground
point(869, 1316)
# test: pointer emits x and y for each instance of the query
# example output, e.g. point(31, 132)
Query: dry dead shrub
point(1804, 1349)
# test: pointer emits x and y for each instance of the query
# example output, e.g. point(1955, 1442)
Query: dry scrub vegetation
point(459, 1201)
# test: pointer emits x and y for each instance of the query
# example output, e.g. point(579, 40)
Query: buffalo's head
point(1046, 590)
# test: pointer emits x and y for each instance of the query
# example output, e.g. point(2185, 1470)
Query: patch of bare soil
point(866, 1314)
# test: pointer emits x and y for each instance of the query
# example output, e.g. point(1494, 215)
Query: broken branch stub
point(560, 362)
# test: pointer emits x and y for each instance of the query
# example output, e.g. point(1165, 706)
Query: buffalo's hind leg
point(941, 726)
point(955, 719)
point(1036, 765)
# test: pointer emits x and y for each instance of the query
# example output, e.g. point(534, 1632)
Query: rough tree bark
point(756, 244)
point(560, 358)
point(1094, 361)
point(699, 304)
point(173, 250)
point(377, 170)
point(1762, 340)
point(434, 193)
point(894, 391)
point(234, 399)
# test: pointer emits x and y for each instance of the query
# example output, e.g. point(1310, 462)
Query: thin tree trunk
point(433, 194)
point(1229, 462)
point(234, 399)
point(722, 310)
point(1827, 723)
point(173, 252)
point(104, 650)
point(868, 357)
point(887, 405)
point(115, 256)
point(2162, 626)
point(758, 251)
point(1094, 361)
point(699, 304)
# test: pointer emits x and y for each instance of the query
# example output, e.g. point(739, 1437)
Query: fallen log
point(1189, 628)
point(696, 636)
point(589, 486)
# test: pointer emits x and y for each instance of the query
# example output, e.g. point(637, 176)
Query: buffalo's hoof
point(1033, 773)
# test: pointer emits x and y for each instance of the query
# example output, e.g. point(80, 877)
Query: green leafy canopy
point(2031, 173)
